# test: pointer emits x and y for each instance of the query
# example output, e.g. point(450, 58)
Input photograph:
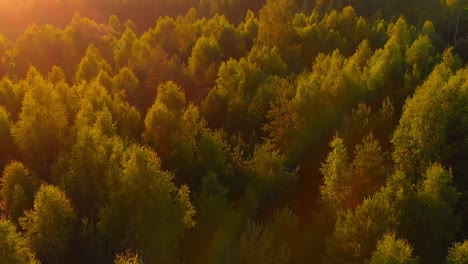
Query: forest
point(234, 131)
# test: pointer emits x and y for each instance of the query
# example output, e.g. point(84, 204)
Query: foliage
point(172, 131)
point(18, 186)
point(393, 250)
point(50, 225)
point(143, 194)
point(458, 253)
point(127, 258)
point(14, 247)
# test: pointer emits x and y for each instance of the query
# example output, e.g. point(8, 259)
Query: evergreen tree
point(458, 253)
point(18, 186)
point(13, 245)
point(391, 250)
point(49, 227)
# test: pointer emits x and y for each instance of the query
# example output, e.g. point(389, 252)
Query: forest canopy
point(215, 131)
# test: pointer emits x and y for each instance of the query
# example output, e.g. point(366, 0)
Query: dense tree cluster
point(215, 131)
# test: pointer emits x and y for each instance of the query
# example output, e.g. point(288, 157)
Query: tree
point(13, 245)
point(368, 169)
point(177, 36)
point(92, 159)
point(229, 39)
point(50, 225)
point(391, 250)
point(285, 128)
point(385, 69)
point(427, 129)
point(163, 117)
point(269, 60)
point(420, 56)
point(438, 199)
point(79, 35)
point(48, 49)
point(204, 62)
point(6, 141)
point(460, 5)
point(268, 174)
point(171, 127)
point(357, 124)
point(42, 128)
point(249, 29)
point(275, 27)
point(124, 47)
point(18, 187)
point(126, 81)
point(152, 65)
point(114, 25)
point(3, 49)
point(56, 75)
point(424, 143)
point(458, 253)
point(212, 156)
point(212, 201)
point(268, 94)
point(91, 64)
point(227, 104)
point(272, 242)
point(357, 231)
point(258, 246)
point(127, 258)
point(335, 190)
point(11, 97)
point(145, 203)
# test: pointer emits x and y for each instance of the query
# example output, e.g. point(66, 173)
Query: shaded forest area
point(234, 131)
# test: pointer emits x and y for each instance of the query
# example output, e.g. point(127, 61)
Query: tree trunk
point(456, 26)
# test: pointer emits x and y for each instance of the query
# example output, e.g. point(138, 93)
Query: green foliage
point(275, 27)
point(91, 65)
point(93, 158)
point(269, 60)
point(212, 200)
point(141, 195)
point(426, 132)
point(391, 250)
point(212, 155)
point(49, 227)
point(357, 231)
point(368, 167)
point(335, 189)
point(126, 81)
point(41, 130)
point(250, 252)
point(14, 247)
point(268, 174)
point(123, 48)
point(228, 37)
point(56, 75)
point(268, 243)
point(347, 184)
point(458, 253)
point(171, 127)
point(112, 109)
point(11, 97)
point(178, 35)
point(420, 55)
point(438, 219)
point(204, 61)
point(127, 258)
point(18, 187)
point(6, 141)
